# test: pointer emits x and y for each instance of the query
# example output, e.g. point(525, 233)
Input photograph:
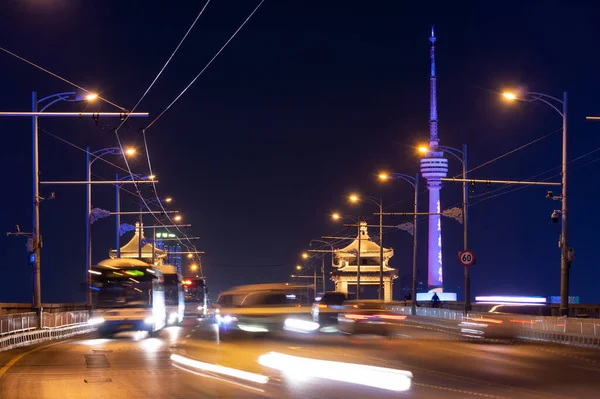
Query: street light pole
point(381, 296)
point(462, 157)
point(323, 271)
point(88, 229)
point(358, 261)
point(37, 239)
point(323, 260)
point(140, 229)
point(413, 181)
point(413, 301)
point(118, 217)
point(565, 262)
point(565, 258)
point(465, 231)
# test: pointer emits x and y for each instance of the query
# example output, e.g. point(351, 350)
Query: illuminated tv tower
point(433, 168)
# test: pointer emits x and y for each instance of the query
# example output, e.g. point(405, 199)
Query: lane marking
point(15, 359)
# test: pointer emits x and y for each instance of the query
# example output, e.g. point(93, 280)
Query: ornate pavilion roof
point(131, 249)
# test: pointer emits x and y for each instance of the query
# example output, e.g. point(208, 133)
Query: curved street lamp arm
point(98, 154)
point(61, 96)
point(454, 152)
point(412, 180)
point(543, 98)
point(374, 200)
point(540, 95)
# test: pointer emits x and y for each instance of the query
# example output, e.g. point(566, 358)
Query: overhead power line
point(206, 67)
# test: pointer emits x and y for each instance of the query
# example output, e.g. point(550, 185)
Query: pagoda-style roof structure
point(345, 264)
point(131, 249)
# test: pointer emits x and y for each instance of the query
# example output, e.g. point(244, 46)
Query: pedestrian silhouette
point(436, 300)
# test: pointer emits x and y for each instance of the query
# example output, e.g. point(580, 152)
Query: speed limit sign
point(467, 258)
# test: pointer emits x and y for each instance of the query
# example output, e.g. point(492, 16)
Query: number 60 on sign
point(467, 258)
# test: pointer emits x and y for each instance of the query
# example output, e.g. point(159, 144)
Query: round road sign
point(467, 258)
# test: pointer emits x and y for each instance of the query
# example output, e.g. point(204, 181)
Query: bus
point(194, 289)
point(174, 297)
point(127, 295)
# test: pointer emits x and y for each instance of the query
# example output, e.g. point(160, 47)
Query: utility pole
point(315, 280)
point(565, 264)
point(88, 229)
point(37, 238)
point(323, 270)
point(465, 230)
point(34, 114)
point(358, 260)
point(118, 217)
point(381, 296)
point(140, 229)
point(413, 300)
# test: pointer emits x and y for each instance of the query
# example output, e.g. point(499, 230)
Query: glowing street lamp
point(177, 218)
point(354, 198)
point(336, 216)
point(560, 106)
point(91, 97)
point(423, 149)
point(168, 199)
point(304, 255)
point(298, 267)
point(90, 158)
point(383, 176)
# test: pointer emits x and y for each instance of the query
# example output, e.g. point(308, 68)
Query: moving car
point(369, 317)
point(326, 309)
point(263, 308)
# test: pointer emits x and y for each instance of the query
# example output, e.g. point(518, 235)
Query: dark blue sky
point(306, 104)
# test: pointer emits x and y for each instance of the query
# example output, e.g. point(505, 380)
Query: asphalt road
point(443, 366)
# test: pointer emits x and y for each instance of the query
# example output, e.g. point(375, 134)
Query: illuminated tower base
point(434, 167)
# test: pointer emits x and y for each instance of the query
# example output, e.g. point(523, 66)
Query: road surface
point(442, 365)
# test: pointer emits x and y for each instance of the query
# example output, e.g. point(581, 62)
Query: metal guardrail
point(37, 336)
point(543, 328)
point(17, 322)
point(20, 322)
point(63, 319)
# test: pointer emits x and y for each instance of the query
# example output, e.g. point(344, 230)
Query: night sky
point(307, 104)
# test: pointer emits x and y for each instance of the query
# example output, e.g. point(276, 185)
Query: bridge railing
point(64, 319)
point(18, 322)
point(546, 324)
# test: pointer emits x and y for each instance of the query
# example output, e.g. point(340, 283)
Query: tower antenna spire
point(433, 116)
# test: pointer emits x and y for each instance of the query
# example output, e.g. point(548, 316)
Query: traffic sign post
point(466, 257)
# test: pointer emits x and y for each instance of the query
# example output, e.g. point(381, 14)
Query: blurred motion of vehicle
point(490, 326)
point(265, 308)
point(127, 295)
point(174, 296)
point(195, 296)
point(326, 309)
point(502, 320)
point(373, 317)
